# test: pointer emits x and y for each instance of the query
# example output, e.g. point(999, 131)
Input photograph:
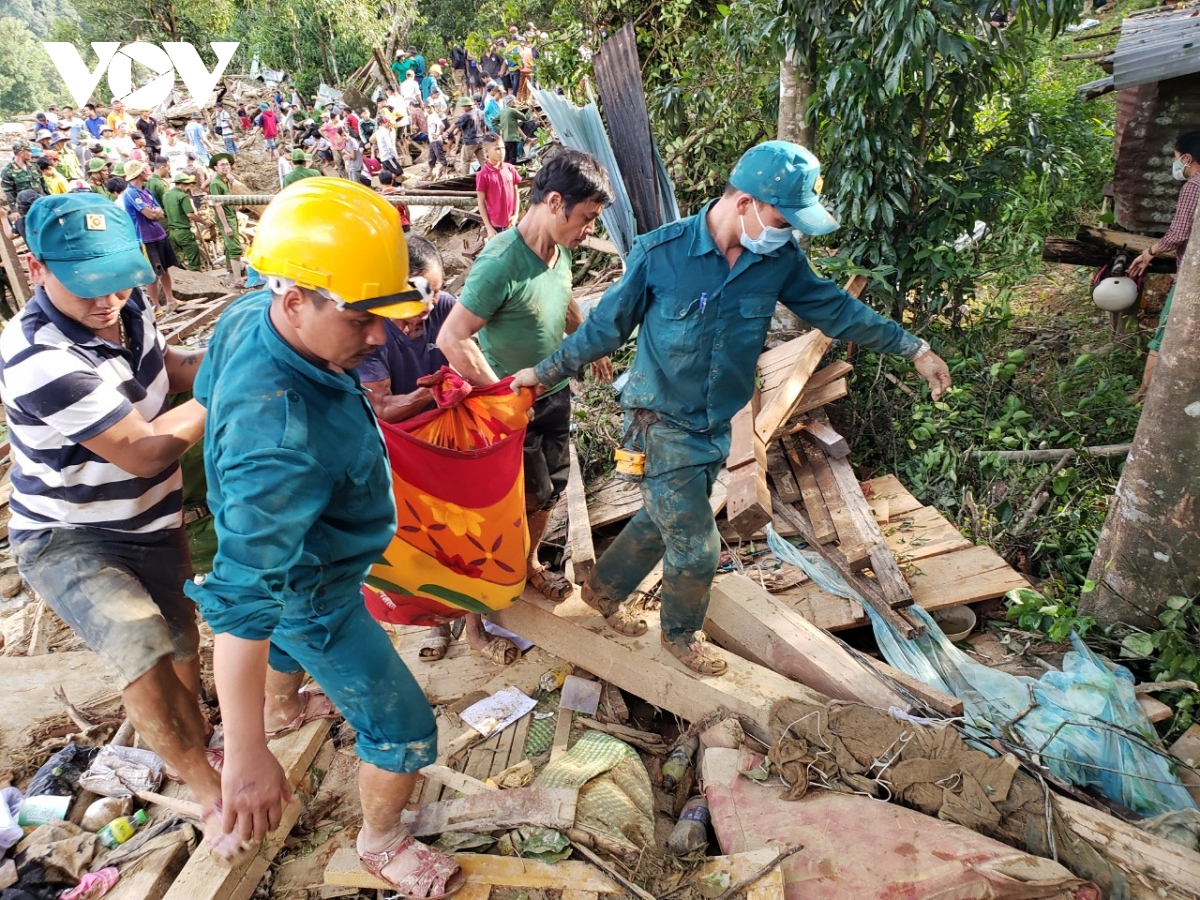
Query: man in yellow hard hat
point(300, 492)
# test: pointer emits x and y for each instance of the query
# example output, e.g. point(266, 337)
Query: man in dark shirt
point(493, 63)
point(469, 127)
point(148, 126)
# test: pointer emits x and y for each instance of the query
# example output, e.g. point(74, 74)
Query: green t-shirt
point(220, 189)
point(523, 300)
point(298, 173)
point(157, 188)
point(176, 205)
point(510, 119)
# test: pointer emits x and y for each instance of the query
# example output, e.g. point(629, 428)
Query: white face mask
point(1177, 169)
point(771, 238)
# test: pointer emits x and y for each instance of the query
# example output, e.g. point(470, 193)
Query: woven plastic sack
point(1084, 722)
point(458, 478)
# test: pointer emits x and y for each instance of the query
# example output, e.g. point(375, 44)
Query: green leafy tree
point(39, 16)
point(193, 21)
point(896, 107)
point(28, 80)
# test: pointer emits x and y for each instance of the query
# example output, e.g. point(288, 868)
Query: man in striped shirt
point(97, 494)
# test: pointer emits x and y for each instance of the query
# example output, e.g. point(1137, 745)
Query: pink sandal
point(435, 870)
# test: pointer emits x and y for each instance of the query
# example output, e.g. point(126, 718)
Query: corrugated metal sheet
point(1157, 47)
point(1149, 119)
point(581, 128)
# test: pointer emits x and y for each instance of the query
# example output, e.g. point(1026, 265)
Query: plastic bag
point(457, 475)
point(59, 775)
point(1084, 723)
point(10, 831)
point(123, 771)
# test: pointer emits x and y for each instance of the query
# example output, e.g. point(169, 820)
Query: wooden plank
point(151, 876)
point(1187, 751)
point(579, 526)
point(852, 542)
point(562, 733)
point(203, 878)
point(642, 666)
point(1155, 710)
point(17, 279)
point(883, 564)
point(739, 866)
point(866, 588)
point(1159, 868)
point(824, 530)
point(497, 871)
point(743, 617)
point(820, 433)
point(777, 406)
point(818, 397)
point(200, 320)
point(493, 810)
point(888, 487)
point(781, 475)
point(938, 701)
point(458, 781)
point(749, 495)
point(839, 368)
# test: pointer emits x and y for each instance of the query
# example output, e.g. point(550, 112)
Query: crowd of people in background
point(460, 115)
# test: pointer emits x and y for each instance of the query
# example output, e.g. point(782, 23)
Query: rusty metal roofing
point(1157, 47)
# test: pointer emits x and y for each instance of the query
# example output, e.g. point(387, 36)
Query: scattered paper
point(497, 711)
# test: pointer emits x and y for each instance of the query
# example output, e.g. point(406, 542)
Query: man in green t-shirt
point(156, 184)
point(180, 213)
point(227, 223)
point(517, 299)
point(299, 170)
point(511, 117)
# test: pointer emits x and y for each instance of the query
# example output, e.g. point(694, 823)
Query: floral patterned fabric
point(461, 540)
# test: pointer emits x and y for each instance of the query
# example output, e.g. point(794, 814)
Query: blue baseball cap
point(785, 175)
point(88, 243)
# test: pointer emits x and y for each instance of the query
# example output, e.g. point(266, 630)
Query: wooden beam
point(852, 541)
point(203, 878)
point(1088, 253)
point(939, 701)
point(458, 781)
point(822, 434)
point(579, 526)
point(495, 810)
point(746, 619)
point(815, 398)
point(1158, 868)
point(479, 868)
point(824, 530)
point(781, 475)
point(839, 368)
point(749, 495)
point(643, 667)
point(17, 279)
point(867, 588)
point(778, 405)
point(200, 320)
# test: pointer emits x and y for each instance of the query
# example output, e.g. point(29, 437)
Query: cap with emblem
point(96, 163)
point(20, 146)
point(785, 175)
point(183, 178)
point(88, 243)
point(299, 155)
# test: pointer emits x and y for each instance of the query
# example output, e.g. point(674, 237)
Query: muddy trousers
point(676, 525)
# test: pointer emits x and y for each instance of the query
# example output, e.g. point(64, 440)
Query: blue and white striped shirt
point(62, 385)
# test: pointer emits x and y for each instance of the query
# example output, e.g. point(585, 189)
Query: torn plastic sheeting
point(1081, 723)
point(580, 128)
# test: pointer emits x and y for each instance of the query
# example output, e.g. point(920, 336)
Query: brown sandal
point(499, 650)
point(698, 655)
point(619, 616)
point(550, 584)
point(436, 869)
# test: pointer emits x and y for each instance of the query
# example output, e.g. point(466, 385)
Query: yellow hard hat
point(341, 238)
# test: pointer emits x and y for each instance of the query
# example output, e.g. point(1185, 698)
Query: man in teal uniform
point(300, 492)
point(702, 291)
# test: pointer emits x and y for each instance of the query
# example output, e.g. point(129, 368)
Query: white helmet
point(1115, 294)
